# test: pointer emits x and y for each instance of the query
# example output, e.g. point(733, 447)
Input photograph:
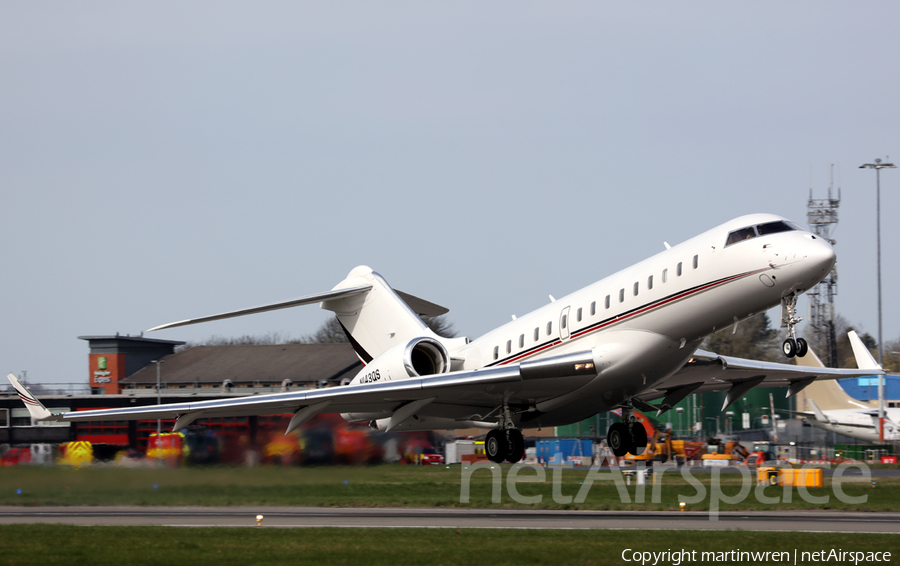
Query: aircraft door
point(564, 324)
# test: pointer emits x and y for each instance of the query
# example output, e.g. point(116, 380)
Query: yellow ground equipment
point(807, 477)
point(662, 448)
point(77, 453)
point(732, 453)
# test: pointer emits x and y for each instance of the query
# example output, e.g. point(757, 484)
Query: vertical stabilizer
point(377, 320)
point(827, 393)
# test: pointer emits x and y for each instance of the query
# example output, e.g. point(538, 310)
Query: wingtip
point(169, 325)
point(35, 408)
point(864, 359)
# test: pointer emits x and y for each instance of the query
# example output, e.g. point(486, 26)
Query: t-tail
point(380, 318)
point(374, 316)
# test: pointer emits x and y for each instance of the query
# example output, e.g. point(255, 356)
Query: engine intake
point(417, 358)
point(425, 356)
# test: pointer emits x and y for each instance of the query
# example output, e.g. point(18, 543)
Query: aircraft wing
point(812, 416)
point(707, 371)
point(474, 393)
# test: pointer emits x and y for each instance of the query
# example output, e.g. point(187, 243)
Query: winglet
point(820, 416)
point(35, 408)
point(864, 359)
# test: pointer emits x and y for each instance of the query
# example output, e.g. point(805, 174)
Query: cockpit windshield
point(741, 235)
point(774, 228)
point(759, 230)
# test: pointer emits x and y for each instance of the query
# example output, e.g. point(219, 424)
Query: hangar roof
point(253, 363)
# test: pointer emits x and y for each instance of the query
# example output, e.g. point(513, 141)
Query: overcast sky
point(168, 160)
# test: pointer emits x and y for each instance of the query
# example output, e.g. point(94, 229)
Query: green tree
point(754, 339)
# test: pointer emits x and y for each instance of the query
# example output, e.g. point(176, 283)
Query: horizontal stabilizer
point(312, 299)
point(420, 306)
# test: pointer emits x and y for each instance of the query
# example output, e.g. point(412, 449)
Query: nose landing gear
point(793, 346)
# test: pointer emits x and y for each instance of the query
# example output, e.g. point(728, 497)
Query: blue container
point(558, 450)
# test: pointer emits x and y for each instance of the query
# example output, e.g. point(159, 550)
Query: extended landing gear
point(793, 346)
point(627, 437)
point(797, 347)
point(507, 444)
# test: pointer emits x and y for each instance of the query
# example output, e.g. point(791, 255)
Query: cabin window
point(665, 275)
point(496, 352)
point(521, 341)
point(549, 328)
point(565, 319)
point(578, 315)
point(696, 261)
point(593, 308)
point(649, 282)
point(636, 285)
point(607, 301)
point(508, 346)
point(678, 269)
point(621, 295)
point(537, 333)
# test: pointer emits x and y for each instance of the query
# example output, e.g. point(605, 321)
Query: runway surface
point(290, 517)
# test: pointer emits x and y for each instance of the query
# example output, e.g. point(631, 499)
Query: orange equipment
point(661, 447)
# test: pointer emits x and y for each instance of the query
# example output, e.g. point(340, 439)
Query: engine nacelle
point(417, 358)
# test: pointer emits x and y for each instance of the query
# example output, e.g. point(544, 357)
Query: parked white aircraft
point(859, 424)
point(618, 343)
point(841, 413)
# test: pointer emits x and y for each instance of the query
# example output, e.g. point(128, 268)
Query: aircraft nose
point(821, 256)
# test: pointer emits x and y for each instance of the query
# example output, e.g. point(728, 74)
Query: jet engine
point(417, 358)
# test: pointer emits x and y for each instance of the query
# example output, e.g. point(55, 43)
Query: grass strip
point(51, 545)
point(411, 486)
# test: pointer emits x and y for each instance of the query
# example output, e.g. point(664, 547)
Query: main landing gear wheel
point(496, 447)
point(500, 445)
point(802, 347)
point(618, 439)
point(789, 348)
point(638, 438)
point(516, 445)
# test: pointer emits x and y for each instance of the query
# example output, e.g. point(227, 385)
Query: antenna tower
point(822, 216)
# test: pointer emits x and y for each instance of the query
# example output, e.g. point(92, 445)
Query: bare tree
point(272, 338)
point(332, 331)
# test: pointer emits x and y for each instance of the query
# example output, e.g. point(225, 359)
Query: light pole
point(680, 410)
point(158, 398)
point(878, 166)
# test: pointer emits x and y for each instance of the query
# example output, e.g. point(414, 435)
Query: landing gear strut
point(793, 346)
point(505, 443)
point(629, 436)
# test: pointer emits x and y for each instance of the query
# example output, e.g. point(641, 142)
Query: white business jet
point(858, 424)
point(618, 343)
